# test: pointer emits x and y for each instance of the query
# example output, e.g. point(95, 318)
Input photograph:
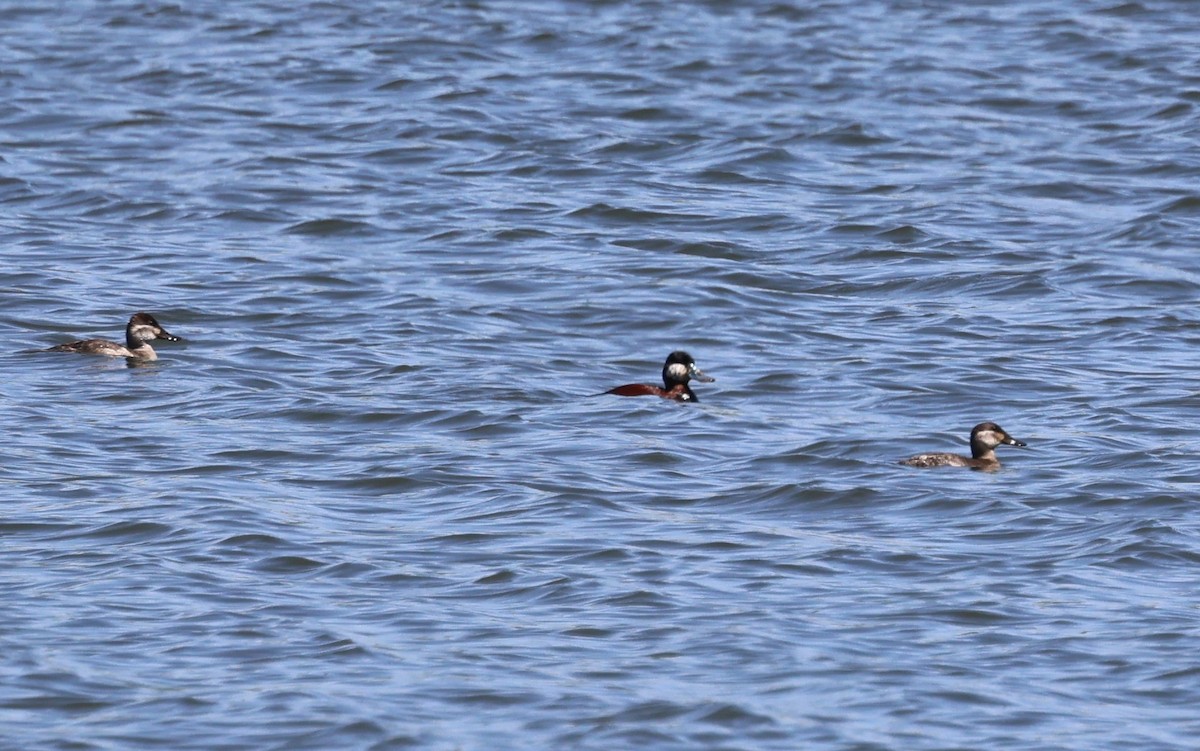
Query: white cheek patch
point(678, 370)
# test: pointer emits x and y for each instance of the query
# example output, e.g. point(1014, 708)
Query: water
point(371, 501)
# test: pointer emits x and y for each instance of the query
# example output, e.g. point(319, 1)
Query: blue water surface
point(373, 501)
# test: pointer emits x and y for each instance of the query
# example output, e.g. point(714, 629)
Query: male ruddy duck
point(139, 332)
point(677, 371)
point(985, 437)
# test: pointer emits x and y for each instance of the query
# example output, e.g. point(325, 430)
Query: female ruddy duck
point(985, 437)
point(677, 371)
point(139, 332)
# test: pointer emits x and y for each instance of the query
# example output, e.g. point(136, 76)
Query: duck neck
point(141, 350)
point(982, 451)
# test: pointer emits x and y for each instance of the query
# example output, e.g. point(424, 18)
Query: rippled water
point(372, 502)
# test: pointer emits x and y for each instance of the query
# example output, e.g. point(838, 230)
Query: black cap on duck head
point(146, 327)
point(986, 426)
point(991, 435)
point(680, 368)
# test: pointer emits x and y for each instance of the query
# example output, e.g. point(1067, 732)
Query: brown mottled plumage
point(139, 332)
point(985, 437)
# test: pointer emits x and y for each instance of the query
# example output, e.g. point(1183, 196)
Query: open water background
point(371, 502)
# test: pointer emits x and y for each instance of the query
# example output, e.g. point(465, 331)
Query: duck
point(139, 332)
point(985, 437)
point(679, 368)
